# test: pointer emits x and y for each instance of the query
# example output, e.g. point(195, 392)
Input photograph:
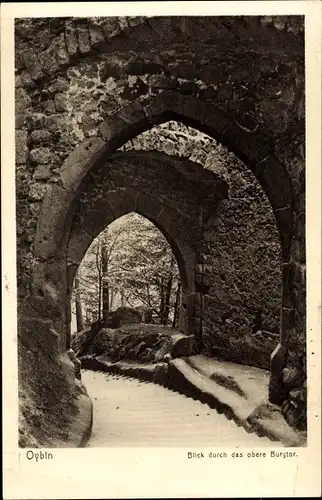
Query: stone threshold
point(239, 392)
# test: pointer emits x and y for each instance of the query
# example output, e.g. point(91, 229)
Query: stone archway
point(147, 185)
point(60, 204)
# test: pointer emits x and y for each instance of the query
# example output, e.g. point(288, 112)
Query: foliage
point(128, 264)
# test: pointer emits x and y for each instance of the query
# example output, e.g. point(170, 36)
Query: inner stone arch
point(244, 259)
point(147, 183)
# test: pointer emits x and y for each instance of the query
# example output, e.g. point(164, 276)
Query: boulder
point(105, 340)
point(181, 345)
point(176, 346)
point(125, 316)
point(146, 313)
point(163, 351)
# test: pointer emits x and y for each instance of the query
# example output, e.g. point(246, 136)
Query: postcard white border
point(149, 472)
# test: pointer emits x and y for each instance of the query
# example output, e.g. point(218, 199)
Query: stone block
point(32, 63)
point(71, 39)
point(59, 48)
point(299, 274)
point(275, 182)
point(35, 121)
point(122, 201)
point(181, 345)
point(97, 218)
point(48, 106)
point(21, 146)
point(60, 85)
point(299, 298)
point(249, 147)
point(164, 103)
point(96, 35)
point(80, 161)
point(299, 232)
point(287, 321)
point(22, 101)
point(42, 173)
point(84, 45)
point(20, 119)
point(41, 155)
point(48, 61)
point(55, 122)
point(37, 191)
point(51, 223)
point(124, 125)
point(40, 331)
point(286, 284)
point(298, 250)
point(61, 103)
point(24, 79)
point(151, 208)
point(79, 242)
point(41, 137)
point(284, 220)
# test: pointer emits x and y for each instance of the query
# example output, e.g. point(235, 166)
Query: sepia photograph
point(160, 193)
point(161, 247)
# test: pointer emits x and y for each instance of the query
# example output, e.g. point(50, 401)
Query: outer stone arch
point(249, 146)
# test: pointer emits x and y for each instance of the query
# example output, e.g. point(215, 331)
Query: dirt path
point(128, 412)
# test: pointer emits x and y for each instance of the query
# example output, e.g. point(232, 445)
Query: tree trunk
point(78, 303)
point(161, 302)
point(168, 289)
point(111, 298)
point(105, 284)
point(176, 306)
point(99, 304)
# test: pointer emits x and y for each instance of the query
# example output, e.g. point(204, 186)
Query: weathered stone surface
point(71, 39)
point(122, 201)
point(37, 191)
point(21, 146)
point(48, 61)
point(51, 222)
point(83, 40)
point(22, 100)
point(32, 64)
point(35, 121)
point(41, 136)
point(60, 85)
point(42, 173)
point(80, 161)
point(41, 155)
point(182, 345)
point(61, 103)
point(79, 242)
point(48, 106)
point(124, 316)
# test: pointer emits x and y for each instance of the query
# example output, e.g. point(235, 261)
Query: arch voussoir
point(121, 201)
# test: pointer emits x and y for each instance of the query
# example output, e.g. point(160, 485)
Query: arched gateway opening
point(128, 275)
point(147, 183)
point(69, 220)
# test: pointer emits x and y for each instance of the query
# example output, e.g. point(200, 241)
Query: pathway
point(128, 412)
